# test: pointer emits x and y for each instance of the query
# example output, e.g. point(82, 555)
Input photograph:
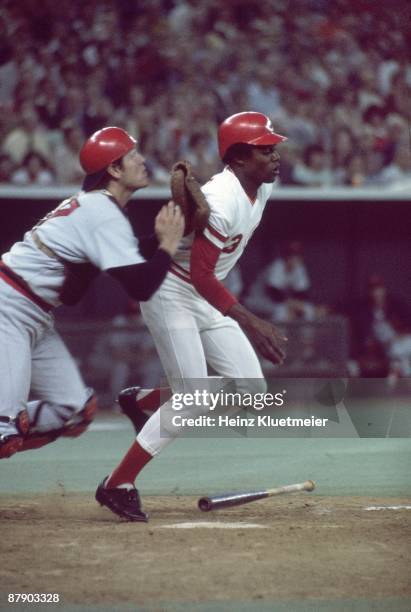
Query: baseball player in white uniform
point(194, 320)
point(54, 264)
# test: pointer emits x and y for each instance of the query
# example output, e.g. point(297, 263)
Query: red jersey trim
point(12, 279)
point(214, 232)
point(184, 278)
point(180, 268)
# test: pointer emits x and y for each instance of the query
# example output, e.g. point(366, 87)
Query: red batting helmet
point(104, 147)
point(249, 128)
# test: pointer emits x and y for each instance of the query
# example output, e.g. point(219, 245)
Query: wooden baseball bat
point(226, 500)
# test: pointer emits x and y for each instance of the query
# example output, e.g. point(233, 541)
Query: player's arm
point(142, 280)
point(204, 256)
point(265, 337)
point(148, 245)
point(263, 334)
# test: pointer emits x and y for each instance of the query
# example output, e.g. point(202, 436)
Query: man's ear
point(238, 161)
point(114, 170)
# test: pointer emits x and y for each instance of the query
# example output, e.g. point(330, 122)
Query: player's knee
point(82, 419)
point(59, 424)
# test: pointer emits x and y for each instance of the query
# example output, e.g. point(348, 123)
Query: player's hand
point(169, 227)
point(266, 338)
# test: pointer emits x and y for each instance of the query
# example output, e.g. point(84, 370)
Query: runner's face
point(263, 164)
point(134, 172)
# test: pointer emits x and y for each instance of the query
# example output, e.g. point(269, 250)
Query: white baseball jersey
point(191, 334)
point(233, 220)
point(89, 227)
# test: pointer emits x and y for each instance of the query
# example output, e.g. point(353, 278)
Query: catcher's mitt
point(186, 192)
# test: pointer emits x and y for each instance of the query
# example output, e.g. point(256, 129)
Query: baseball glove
point(186, 192)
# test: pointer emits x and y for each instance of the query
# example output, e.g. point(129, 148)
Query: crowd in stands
point(335, 77)
point(379, 322)
point(380, 333)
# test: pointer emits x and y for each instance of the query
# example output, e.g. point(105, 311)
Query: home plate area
point(178, 555)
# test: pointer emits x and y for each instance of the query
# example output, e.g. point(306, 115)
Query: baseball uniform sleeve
point(106, 236)
point(204, 256)
point(220, 221)
point(143, 279)
point(95, 231)
point(217, 231)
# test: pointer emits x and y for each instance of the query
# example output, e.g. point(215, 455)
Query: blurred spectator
point(342, 147)
point(98, 108)
point(34, 170)
point(124, 354)
point(289, 157)
point(399, 352)
point(373, 324)
point(315, 171)
point(374, 162)
point(372, 362)
point(356, 171)
point(375, 128)
point(201, 153)
point(29, 135)
point(262, 92)
point(337, 77)
point(257, 299)
point(287, 284)
point(66, 156)
point(6, 168)
point(400, 167)
point(48, 104)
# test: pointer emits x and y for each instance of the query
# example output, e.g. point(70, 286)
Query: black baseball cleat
point(128, 401)
point(123, 502)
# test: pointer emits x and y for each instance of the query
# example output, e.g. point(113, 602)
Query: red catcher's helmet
point(103, 147)
point(249, 128)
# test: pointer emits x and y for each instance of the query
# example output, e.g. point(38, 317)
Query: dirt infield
point(297, 547)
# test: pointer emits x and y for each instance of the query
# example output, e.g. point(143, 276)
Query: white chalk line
point(371, 508)
point(110, 426)
point(213, 525)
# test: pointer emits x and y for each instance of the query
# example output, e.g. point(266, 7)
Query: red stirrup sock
point(131, 465)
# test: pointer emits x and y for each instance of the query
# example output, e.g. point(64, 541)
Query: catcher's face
point(133, 170)
point(263, 165)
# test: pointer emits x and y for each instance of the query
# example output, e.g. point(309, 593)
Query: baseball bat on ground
point(236, 499)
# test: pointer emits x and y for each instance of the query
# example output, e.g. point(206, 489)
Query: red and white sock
point(129, 468)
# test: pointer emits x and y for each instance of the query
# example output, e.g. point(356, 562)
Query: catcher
point(193, 318)
point(54, 264)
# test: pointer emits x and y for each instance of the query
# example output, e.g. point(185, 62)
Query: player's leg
point(66, 407)
point(176, 334)
point(15, 369)
point(171, 316)
point(183, 360)
point(177, 339)
point(229, 352)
